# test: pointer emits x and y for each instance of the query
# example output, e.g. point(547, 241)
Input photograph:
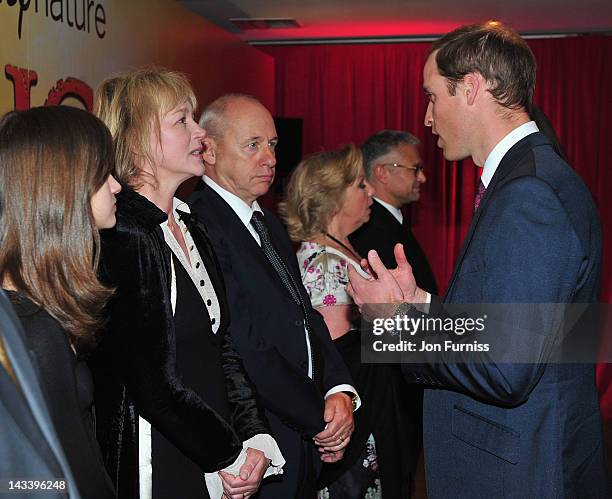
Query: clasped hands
point(381, 293)
point(335, 437)
point(249, 477)
point(386, 287)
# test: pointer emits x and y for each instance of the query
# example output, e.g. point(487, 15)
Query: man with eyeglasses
point(394, 170)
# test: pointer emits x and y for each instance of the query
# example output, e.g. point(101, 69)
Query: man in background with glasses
point(394, 170)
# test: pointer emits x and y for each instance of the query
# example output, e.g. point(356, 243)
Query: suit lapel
point(384, 216)
point(237, 234)
point(16, 405)
point(510, 160)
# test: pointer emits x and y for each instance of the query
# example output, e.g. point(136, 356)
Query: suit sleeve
point(335, 372)
point(281, 386)
point(139, 333)
point(532, 255)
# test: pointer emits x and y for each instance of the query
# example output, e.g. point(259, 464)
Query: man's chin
point(453, 156)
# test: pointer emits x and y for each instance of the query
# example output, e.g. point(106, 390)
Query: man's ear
point(473, 85)
point(210, 150)
point(381, 174)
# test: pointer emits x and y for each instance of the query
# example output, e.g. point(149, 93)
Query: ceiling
point(398, 19)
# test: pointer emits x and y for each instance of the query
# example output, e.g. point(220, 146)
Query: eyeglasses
point(416, 169)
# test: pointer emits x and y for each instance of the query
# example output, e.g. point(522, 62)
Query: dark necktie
point(479, 194)
point(259, 224)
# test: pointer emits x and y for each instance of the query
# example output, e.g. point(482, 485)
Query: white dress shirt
point(503, 146)
point(499, 151)
point(396, 212)
point(199, 276)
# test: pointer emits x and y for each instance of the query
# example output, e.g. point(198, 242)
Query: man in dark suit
point(285, 345)
point(29, 446)
point(491, 428)
point(395, 172)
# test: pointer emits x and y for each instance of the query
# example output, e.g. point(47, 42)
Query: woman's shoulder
point(136, 214)
point(39, 326)
point(138, 227)
point(310, 253)
point(25, 308)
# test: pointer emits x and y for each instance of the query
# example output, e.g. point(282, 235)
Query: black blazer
point(268, 331)
point(69, 389)
point(382, 233)
point(135, 365)
point(29, 445)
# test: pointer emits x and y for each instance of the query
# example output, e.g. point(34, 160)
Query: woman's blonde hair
point(131, 105)
point(52, 161)
point(316, 191)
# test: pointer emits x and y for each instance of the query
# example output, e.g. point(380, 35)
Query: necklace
point(357, 257)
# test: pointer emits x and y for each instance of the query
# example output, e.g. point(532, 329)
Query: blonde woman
point(328, 198)
point(174, 401)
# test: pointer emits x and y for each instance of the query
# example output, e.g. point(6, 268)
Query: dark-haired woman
point(56, 191)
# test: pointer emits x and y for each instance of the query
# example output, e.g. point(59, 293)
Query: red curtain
point(344, 93)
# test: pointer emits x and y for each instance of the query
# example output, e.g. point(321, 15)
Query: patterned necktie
point(259, 224)
point(479, 195)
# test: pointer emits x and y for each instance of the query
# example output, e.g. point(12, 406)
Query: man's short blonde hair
point(131, 105)
point(317, 189)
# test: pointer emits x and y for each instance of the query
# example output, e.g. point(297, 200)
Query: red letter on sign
point(70, 87)
point(22, 80)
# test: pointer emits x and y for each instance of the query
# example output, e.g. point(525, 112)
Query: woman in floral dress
point(328, 198)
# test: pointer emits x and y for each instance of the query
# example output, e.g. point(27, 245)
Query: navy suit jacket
point(382, 232)
point(268, 331)
point(29, 445)
point(520, 430)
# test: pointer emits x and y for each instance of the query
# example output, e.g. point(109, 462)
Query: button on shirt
point(196, 269)
point(199, 276)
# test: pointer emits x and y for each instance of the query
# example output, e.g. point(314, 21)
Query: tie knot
point(258, 222)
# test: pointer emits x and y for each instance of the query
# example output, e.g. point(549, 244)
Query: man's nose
point(268, 155)
point(428, 116)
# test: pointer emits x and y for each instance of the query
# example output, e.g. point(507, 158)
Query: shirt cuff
point(262, 442)
point(346, 388)
point(266, 444)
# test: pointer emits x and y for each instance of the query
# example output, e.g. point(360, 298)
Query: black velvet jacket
point(134, 366)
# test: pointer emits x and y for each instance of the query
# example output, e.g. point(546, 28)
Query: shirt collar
point(502, 147)
point(243, 210)
point(396, 212)
point(177, 204)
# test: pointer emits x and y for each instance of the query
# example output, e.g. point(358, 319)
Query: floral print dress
point(325, 276)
